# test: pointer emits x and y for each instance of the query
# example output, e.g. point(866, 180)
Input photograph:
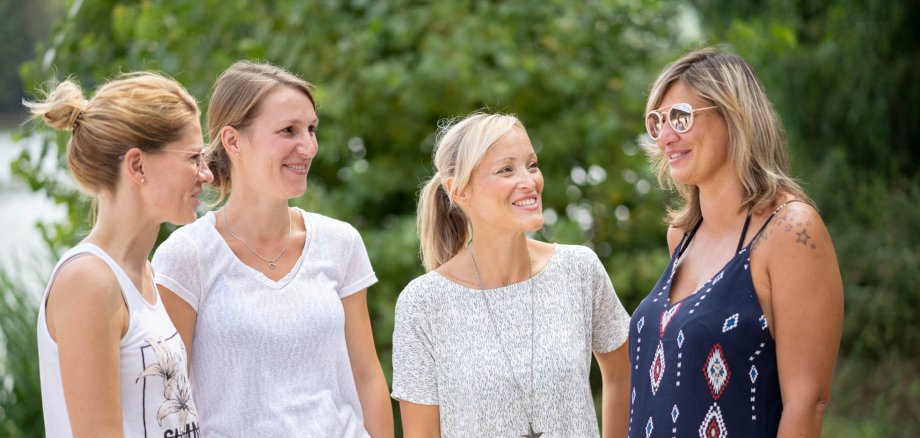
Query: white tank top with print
point(156, 399)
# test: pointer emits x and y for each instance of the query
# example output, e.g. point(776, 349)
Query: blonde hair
point(460, 145)
point(143, 110)
point(235, 101)
point(756, 144)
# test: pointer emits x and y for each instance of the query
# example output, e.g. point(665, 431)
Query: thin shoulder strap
point(685, 241)
point(747, 222)
point(772, 215)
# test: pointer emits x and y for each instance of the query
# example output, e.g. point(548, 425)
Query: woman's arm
point(420, 421)
point(183, 316)
point(614, 366)
point(365, 366)
point(806, 294)
point(86, 316)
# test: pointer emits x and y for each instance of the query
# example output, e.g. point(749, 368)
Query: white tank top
point(156, 399)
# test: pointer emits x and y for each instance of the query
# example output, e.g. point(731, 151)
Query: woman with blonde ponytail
point(496, 339)
point(111, 361)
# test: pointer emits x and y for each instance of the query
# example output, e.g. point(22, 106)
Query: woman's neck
point(256, 218)
point(720, 204)
point(500, 258)
point(123, 231)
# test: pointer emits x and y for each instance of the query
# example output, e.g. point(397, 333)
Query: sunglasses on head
point(679, 116)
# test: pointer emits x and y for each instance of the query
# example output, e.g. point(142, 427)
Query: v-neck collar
point(255, 273)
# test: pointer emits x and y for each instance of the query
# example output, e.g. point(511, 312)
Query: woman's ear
point(229, 138)
point(133, 165)
point(456, 198)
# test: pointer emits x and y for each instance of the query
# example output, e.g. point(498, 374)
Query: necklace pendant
point(531, 434)
point(272, 266)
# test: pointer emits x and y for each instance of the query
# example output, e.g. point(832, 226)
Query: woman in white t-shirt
point(111, 361)
point(496, 339)
point(271, 300)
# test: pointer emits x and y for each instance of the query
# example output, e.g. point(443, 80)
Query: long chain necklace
point(272, 263)
point(530, 433)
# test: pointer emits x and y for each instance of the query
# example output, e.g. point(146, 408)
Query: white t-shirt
point(446, 351)
point(156, 399)
point(269, 357)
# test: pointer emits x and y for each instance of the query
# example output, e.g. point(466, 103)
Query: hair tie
point(78, 116)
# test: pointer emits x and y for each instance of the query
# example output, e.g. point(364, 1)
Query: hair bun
point(62, 108)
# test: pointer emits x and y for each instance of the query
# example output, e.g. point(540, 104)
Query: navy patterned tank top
point(705, 365)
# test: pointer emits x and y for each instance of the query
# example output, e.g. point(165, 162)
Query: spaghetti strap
point(747, 222)
point(772, 215)
point(685, 241)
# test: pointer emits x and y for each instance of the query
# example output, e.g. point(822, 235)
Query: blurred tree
point(20, 403)
point(843, 72)
point(22, 25)
point(576, 73)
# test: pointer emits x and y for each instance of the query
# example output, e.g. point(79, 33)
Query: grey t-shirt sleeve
point(414, 369)
point(176, 266)
point(610, 321)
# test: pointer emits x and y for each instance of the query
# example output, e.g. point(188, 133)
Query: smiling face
point(174, 179)
point(700, 155)
point(504, 190)
point(277, 148)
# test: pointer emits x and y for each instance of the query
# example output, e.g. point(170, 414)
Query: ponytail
point(442, 227)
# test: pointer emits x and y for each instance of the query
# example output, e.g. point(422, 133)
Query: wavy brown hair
point(756, 143)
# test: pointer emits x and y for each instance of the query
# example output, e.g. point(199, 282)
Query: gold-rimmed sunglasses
point(679, 116)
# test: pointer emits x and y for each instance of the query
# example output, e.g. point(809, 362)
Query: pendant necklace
point(530, 433)
point(272, 263)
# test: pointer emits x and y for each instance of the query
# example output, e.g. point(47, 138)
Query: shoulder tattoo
point(793, 222)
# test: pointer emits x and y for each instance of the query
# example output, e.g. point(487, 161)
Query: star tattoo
point(802, 237)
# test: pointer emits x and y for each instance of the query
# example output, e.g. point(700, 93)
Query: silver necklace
point(272, 263)
point(530, 433)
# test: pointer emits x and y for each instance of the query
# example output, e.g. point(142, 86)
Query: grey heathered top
point(446, 353)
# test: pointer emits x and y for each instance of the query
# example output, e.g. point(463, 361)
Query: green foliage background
point(577, 73)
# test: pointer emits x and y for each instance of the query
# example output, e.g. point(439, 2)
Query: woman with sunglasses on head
point(271, 300)
point(740, 335)
point(111, 361)
point(496, 339)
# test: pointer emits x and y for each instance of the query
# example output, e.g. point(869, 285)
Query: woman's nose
point(309, 146)
point(205, 175)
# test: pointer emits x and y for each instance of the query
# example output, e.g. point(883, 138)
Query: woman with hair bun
point(111, 361)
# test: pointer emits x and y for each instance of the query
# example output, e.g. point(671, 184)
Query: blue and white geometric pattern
point(753, 374)
point(680, 339)
point(649, 427)
point(730, 323)
point(674, 414)
point(716, 371)
point(763, 322)
point(640, 324)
